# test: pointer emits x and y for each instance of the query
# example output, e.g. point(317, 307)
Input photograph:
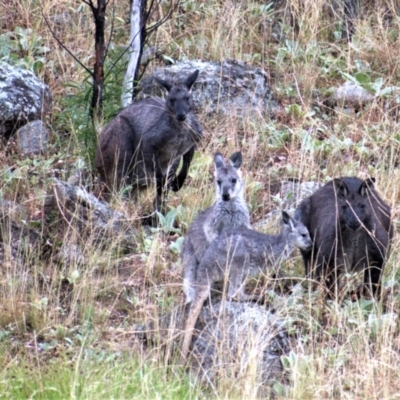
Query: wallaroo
point(233, 258)
point(143, 144)
point(351, 228)
point(228, 212)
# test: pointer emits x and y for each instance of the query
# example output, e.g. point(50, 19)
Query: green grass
point(66, 328)
point(91, 374)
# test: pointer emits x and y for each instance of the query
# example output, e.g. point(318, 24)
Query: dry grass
point(53, 310)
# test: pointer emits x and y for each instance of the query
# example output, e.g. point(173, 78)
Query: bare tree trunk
point(138, 8)
point(99, 15)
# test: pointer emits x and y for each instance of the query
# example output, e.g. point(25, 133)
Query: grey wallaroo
point(229, 212)
point(351, 228)
point(233, 258)
point(143, 144)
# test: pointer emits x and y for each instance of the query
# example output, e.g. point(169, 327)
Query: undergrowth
point(67, 329)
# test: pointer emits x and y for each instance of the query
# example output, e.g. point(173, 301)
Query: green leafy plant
point(24, 48)
point(167, 222)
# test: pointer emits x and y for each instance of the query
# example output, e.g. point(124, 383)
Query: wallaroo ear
point(298, 214)
point(163, 83)
point(236, 160)
point(368, 184)
point(287, 219)
point(340, 187)
point(219, 161)
point(192, 79)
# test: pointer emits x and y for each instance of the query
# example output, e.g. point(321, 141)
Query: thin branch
point(65, 48)
point(111, 30)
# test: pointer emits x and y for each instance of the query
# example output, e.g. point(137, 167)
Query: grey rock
point(33, 138)
point(19, 243)
point(71, 254)
point(227, 87)
point(23, 98)
point(292, 193)
point(351, 94)
point(16, 212)
point(230, 338)
point(71, 206)
point(234, 336)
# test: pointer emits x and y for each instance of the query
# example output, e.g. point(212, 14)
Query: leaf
point(362, 78)
point(74, 276)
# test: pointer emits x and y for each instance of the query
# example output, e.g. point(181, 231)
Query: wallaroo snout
point(143, 144)
point(228, 213)
point(351, 228)
point(235, 257)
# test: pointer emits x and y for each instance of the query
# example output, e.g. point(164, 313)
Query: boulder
point(19, 242)
point(232, 341)
point(291, 194)
point(348, 98)
point(71, 207)
point(32, 138)
point(227, 87)
point(23, 98)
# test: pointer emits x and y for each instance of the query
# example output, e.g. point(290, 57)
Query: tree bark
point(137, 14)
point(99, 14)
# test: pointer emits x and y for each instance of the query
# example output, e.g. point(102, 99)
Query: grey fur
point(144, 143)
point(229, 212)
point(234, 258)
point(351, 228)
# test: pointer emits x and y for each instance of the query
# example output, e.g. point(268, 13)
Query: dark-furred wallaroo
point(144, 143)
point(351, 228)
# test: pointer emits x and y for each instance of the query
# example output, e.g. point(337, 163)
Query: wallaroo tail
point(233, 258)
point(144, 143)
point(351, 228)
point(228, 213)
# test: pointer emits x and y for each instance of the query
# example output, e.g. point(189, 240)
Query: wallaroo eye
point(304, 235)
point(233, 180)
point(219, 182)
point(344, 206)
point(362, 206)
point(187, 98)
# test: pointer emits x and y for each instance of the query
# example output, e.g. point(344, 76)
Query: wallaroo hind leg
point(372, 280)
point(194, 312)
point(178, 181)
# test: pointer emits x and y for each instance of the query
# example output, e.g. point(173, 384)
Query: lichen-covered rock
point(237, 339)
point(292, 193)
point(228, 87)
point(23, 98)
point(348, 98)
point(73, 207)
point(232, 340)
point(33, 138)
point(18, 241)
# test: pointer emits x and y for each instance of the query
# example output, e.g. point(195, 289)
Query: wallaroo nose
point(354, 225)
point(226, 197)
point(180, 117)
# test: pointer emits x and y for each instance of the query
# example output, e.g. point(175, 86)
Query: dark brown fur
point(144, 143)
point(351, 228)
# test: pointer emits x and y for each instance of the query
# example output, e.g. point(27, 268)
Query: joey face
point(298, 232)
point(303, 239)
